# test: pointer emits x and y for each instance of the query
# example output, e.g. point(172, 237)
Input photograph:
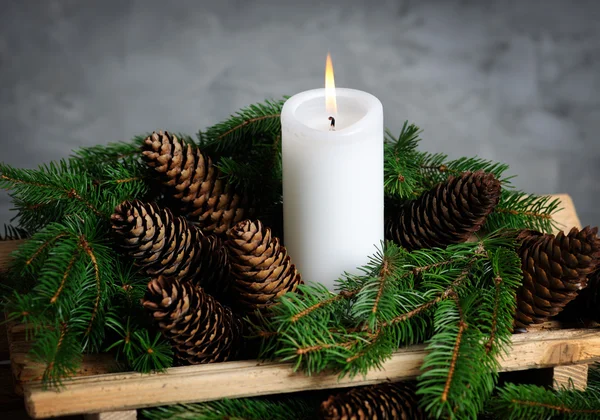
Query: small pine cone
point(555, 269)
point(193, 181)
point(166, 245)
point(200, 329)
point(447, 214)
point(382, 401)
point(260, 266)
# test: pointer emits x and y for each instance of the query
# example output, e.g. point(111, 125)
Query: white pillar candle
point(332, 183)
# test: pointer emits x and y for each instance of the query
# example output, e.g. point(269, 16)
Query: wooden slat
point(566, 218)
point(567, 376)
point(547, 348)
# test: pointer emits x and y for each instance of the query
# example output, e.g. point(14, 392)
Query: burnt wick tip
point(332, 125)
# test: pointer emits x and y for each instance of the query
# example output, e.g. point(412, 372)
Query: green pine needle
point(531, 402)
point(150, 354)
point(244, 130)
point(519, 210)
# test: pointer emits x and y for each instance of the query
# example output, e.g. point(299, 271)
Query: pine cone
point(555, 269)
point(192, 179)
point(260, 266)
point(382, 401)
point(200, 329)
point(447, 214)
point(163, 244)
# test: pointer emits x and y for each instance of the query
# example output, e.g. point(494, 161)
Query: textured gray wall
point(511, 80)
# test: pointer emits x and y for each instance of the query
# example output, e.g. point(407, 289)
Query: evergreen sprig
point(460, 299)
point(67, 304)
point(249, 127)
point(59, 189)
point(62, 281)
point(247, 150)
point(520, 210)
point(532, 402)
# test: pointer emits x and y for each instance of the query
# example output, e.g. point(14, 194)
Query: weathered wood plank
point(567, 376)
point(126, 391)
point(566, 218)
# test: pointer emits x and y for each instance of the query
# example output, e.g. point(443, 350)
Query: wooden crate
point(566, 351)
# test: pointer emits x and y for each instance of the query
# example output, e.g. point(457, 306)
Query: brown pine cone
point(447, 214)
point(193, 181)
point(555, 269)
point(260, 266)
point(382, 401)
point(200, 329)
point(163, 244)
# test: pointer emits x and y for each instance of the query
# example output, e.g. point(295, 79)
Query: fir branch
point(401, 162)
point(519, 210)
point(55, 184)
point(436, 168)
point(376, 299)
point(90, 253)
point(322, 303)
point(244, 129)
point(534, 402)
point(78, 186)
point(72, 269)
point(59, 350)
point(317, 330)
point(65, 277)
point(45, 244)
point(462, 326)
point(93, 160)
point(150, 354)
point(457, 378)
point(137, 345)
point(503, 270)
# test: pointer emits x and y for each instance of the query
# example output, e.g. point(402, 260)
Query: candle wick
point(332, 125)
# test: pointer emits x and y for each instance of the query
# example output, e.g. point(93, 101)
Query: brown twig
point(462, 326)
point(88, 250)
point(63, 331)
point(559, 408)
point(310, 309)
point(382, 277)
point(488, 345)
point(44, 245)
point(444, 295)
point(247, 122)
point(125, 180)
point(72, 193)
point(524, 213)
point(20, 181)
point(65, 276)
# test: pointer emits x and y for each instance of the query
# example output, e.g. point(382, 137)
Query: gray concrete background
point(512, 80)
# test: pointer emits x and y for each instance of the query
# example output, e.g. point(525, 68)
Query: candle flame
point(330, 101)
